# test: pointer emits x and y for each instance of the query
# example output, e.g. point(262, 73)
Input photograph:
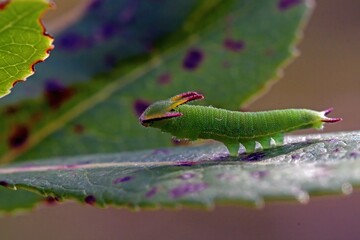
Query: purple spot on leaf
point(72, 42)
point(109, 29)
point(18, 136)
point(51, 200)
point(85, 162)
point(164, 79)
point(127, 15)
point(187, 176)
point(10, 110)
point(56, 93)
point(140, 106)
point(91, 200)
point(4, 184)
point(122, 179)
point(233, 45)
point(95, 4)
point(193, 59)
point(106, 31)
point(353, 154)
point(151, 192)
point(286, 4)
point(295, 156)
point(180, 142)
point(185, 164)
point(257, 156)
point(187, 188)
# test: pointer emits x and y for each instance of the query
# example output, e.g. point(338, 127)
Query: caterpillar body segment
point(229, 127)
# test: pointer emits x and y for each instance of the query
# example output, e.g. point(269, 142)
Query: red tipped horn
point(329, 120)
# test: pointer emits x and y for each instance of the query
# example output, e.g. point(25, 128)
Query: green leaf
point(227, 50)
point(201, 176)
point(23, 41)
point(15, 201)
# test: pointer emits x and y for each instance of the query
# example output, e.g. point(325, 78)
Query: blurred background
point(326, 74)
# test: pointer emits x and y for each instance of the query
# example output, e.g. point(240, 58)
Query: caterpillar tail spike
point(232, 128)
point(329, 120)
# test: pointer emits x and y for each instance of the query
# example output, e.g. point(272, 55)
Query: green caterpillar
point(229, 127)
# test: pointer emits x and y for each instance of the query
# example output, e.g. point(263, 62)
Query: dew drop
point(347, 188)
point(302, 197)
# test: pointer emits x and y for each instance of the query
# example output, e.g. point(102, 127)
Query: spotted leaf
point(196, 176)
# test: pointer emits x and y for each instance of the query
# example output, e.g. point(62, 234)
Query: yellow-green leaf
point(23, 40)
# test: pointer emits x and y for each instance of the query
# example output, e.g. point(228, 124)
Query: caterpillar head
point(166, 108)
